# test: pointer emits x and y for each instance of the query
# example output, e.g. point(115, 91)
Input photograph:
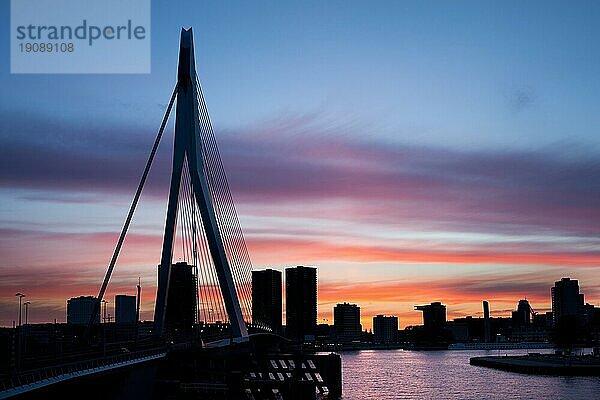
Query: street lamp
point(104, 302)
point(20, 296)
point(26, 304)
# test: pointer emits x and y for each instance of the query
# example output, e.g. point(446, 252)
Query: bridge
point(202, 223)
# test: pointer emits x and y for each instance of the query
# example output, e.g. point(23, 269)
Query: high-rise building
point(522, 316)
point(486, 323)
point(80, 309)
point(346, 322)
point(434, 315)
point(182, 308)
point(385, 329)
point(566, 299)
point(125, 309)
point(266, 300)
point(301, 302)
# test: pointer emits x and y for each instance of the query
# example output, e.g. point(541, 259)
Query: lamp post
point(104, 303)
point(20, 296)
point(26, 304)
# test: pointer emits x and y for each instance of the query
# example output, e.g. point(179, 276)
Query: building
point(346, 322)
point(542, 321)
point(460, 330)
point(434, 315)
point(385, 329)
point(266, 300)
point(566, 299)
point(301, 303)
point(80, 309)
point(522, 316)
point(589, 315)
point(125, 309)
point(487, 335)
point(182, 307)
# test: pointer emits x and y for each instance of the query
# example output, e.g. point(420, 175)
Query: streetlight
point(26, 304)
point(20, 296)
point(104, 302)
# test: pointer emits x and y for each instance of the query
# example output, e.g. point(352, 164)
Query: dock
point(542, 364)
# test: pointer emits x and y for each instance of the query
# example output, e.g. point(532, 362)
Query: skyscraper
point(301, 302)
point(486, 322)
point(346, 322)
point(80, 309)
point(266, 299)
point(434, 315)
point(182, 299)
point(385, 329)
point(566, 299)
point(125, 309)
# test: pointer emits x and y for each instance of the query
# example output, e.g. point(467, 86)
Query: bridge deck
point(48, 376)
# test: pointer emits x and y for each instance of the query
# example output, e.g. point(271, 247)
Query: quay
point(543, 364)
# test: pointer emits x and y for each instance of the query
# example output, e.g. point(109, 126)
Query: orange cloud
point(286, 250)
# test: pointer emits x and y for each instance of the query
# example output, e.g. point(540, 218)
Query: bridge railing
point(76, 368)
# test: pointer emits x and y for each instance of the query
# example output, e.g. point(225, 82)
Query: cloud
point(304, 161)
point(313, 192)
point(295, 250)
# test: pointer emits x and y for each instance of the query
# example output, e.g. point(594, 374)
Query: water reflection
point(400, 374)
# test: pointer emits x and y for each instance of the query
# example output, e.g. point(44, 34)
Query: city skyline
point(270, 296)
point(452, 162)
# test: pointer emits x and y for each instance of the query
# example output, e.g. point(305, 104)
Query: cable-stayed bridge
point(200, 213)
point(202, 226)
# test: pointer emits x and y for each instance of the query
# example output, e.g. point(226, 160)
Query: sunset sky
point(412, 151)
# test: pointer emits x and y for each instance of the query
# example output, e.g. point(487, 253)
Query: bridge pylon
point(188, 146)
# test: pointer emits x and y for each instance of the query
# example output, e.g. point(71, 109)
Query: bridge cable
point(217, 194)
point(132, 208)
point(224, 216)
point(236, 246)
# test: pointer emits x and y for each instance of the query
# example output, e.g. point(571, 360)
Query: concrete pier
point(543, 364)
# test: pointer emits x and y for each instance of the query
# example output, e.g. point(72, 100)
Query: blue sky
point(446, 72)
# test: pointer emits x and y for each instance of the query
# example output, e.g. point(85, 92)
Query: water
point(402, 374)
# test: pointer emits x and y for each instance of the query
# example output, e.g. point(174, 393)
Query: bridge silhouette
point(201, 205)
point(202, 218)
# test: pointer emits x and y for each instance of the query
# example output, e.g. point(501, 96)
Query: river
point(403, 374)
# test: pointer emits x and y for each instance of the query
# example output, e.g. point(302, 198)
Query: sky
point(412, 151)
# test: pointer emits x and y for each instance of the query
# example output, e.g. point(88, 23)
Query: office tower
point(385, 329)
point(566, 299)
point(346, 322)
point(301, 302)
point(434, 315)
point(487, 337)
point(80, 309)
point(125, 309)
point(266, 300)
point(182, 308)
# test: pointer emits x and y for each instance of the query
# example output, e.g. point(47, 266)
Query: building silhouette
point(80, 309)
point(522, 316)
point(566, 299)
point(182, 308)
point(487, 328)
point(301, 303)
point(266, 300)
point(346, 322)
point(434, 315)
point(125, 309)
point(542, 321)
point(385, 329)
